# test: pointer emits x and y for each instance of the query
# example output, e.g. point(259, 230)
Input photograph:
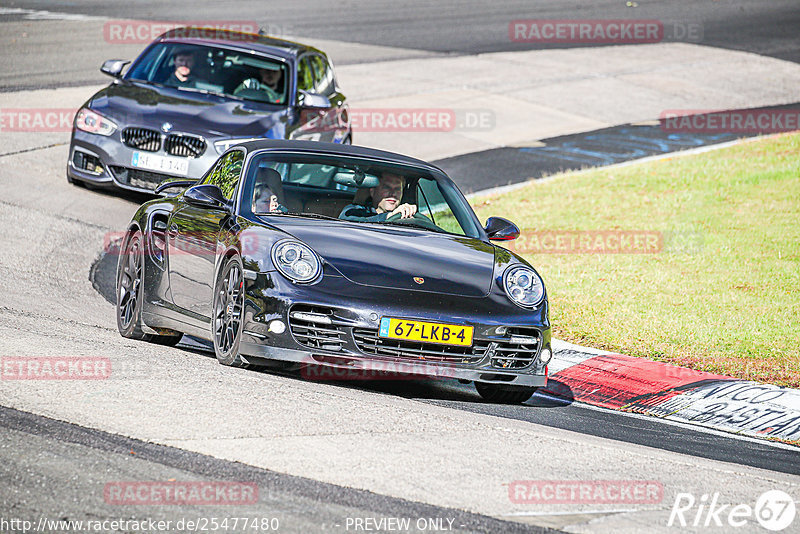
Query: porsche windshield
point(213, 70)
point(356, 190)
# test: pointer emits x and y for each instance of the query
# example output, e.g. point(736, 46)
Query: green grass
point(721, 295)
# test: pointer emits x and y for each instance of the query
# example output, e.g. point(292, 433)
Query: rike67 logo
point(774, 510)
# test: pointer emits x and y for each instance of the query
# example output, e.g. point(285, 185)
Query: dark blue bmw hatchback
point(191, 95)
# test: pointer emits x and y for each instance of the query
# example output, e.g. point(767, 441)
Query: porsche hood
point(400, 258)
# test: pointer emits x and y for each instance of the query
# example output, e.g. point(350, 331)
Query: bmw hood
point(136, 104)
point(400, 258)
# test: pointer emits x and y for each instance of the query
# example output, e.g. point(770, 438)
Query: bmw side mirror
point(312, 100)
point(207, 196)
point(499, 229)
point(113, 67)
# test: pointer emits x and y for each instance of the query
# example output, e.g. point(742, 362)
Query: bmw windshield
point(213, 70)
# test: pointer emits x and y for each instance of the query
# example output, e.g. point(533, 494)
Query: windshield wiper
point(208, 92)
point(146, 82)
point(192, 90)
point(318, 216)
point(416, 226)
point(303, 214)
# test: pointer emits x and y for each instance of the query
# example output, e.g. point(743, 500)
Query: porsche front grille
point(186, 146)
point(142, 139)
point(369, 342)
point(315, 327)
point(517, 351)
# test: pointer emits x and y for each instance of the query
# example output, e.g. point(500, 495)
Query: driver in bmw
point(385, 202)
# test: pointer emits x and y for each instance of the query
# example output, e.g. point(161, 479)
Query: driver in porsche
point(385, 202)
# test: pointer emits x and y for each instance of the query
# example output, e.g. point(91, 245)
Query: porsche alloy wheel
point(130, 273)
point(130, 294)
point(228, 313)
point(504, 394)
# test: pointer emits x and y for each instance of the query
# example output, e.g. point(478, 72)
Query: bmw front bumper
point(111, 160)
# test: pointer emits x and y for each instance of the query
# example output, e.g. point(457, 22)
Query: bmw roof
point(240, 40)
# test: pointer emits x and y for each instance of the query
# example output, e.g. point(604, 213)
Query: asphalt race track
point(74, 456)
point(325, 454)
point(448, 27)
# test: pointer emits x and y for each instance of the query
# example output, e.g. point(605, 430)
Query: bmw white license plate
point(152, 162)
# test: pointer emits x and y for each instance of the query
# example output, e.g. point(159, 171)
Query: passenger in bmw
point(383, 203)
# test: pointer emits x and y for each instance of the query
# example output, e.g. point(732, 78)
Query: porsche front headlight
point(295, 260)
point(523, 286)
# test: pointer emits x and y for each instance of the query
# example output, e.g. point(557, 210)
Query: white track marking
point(687, 426)
point(31, 14)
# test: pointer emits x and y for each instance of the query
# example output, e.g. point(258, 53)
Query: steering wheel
point(272, 94)
point(262, 94)
point(417, 219)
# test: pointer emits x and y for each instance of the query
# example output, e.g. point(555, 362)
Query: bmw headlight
point(92, 122)
point(523, 286)
point(295, 260)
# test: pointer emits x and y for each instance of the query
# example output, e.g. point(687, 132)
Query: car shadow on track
point(441, 391)
point(449, 390)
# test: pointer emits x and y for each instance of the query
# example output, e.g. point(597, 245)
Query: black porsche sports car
point(193, 93)
point(340, 256)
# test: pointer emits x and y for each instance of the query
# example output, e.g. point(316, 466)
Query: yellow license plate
point(444, 334)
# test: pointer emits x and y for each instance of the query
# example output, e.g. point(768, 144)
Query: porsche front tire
point(228, 313)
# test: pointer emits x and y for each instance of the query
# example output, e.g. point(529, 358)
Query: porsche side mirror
point(206, 196)
point(113, 67)
point(312, 100)
point(499, 229)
